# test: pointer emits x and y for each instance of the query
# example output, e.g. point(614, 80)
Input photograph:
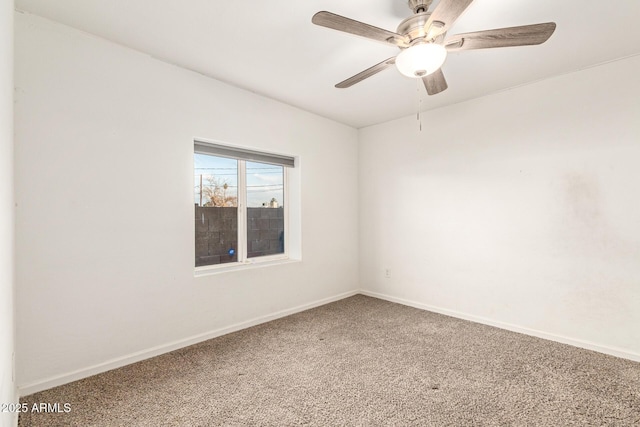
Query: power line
point(274, 186)
point(233, 169)
point(235, 174)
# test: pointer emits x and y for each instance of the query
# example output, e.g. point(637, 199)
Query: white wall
point(8, 392)
point(519, 209)
point(104, 223)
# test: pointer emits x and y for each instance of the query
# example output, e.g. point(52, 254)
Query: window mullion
point(242, 211)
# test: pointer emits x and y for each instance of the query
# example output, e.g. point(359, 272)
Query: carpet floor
point(358, 362)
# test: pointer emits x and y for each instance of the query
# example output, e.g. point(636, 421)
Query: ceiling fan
point(422, 41)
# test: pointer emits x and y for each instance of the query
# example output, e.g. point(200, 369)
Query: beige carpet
point(359, 361)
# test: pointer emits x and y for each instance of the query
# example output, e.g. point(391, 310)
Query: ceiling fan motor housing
point(414, 28)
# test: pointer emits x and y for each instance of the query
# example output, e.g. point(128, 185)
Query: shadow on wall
point(216, 233)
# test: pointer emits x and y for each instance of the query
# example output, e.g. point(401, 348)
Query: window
point(241, 213)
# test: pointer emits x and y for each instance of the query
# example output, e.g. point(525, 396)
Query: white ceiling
point(272, 48)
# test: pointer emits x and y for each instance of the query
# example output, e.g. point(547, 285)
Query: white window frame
point(242, 249)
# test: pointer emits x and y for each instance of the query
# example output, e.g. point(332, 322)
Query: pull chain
point(419, 114)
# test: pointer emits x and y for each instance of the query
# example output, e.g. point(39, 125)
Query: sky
point(264, 181)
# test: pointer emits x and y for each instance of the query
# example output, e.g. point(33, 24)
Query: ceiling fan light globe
point(421, 60)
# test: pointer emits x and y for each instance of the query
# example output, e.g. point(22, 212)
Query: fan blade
point(435, 82)
point(525, 35)
point(340, 23)
point(443, 16)
point(366, 73)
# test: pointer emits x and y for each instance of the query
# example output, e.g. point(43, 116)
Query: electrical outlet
point(387, 273)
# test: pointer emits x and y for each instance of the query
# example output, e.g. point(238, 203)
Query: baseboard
point(165, 348)
point(613, 351)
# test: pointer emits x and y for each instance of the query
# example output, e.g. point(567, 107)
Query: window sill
point(237, 266)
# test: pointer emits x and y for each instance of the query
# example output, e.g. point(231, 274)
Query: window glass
point(265, 209)
point(216, 209)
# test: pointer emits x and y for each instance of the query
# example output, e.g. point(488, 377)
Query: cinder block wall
point(216, 231)
point(265, 231)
